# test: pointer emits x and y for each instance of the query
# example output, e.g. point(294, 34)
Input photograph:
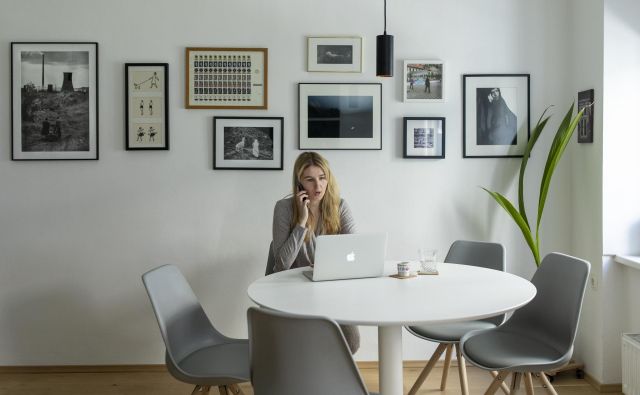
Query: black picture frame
point(585, 125)
point(495, 115)
point(146, 121)
point(424, 137)
point(322, 125)
point(64, 125)
point(232, 150)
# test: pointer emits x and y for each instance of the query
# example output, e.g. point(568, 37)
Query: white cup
point(428, 260)
point(404, 269)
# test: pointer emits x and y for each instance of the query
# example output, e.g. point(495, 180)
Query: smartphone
point(300, 189)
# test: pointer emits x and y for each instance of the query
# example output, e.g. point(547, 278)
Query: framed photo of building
point(334, 54)
point(585, 126)
point(248, 143)
point(424, 137)
point(54, 100)
point(423, 81)
point(226, 78)
point(147, 106)
point(340, 116)
point(495, 115)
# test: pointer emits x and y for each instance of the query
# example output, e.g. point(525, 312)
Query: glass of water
point(428, 260)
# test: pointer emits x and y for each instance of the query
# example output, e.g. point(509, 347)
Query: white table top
point(458, 293)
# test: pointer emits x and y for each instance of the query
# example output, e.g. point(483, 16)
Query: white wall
point(76, 236)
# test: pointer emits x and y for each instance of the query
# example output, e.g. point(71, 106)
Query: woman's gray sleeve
point(347, 223)
point(286, 241)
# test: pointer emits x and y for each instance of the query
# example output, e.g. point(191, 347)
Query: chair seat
point(512, 351)
point(227, 363)
point(443, 333)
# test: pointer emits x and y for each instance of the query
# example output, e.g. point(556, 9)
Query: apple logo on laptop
point(351, 257)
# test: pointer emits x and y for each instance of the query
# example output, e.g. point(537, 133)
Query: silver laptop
point(340, 257)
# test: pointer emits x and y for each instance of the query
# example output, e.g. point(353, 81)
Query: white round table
point(458, 293)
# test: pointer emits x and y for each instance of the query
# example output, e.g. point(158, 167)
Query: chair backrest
point(271, 261)
point(183, 323)
point(554, 312)
point(478, 253)
point(293, 355)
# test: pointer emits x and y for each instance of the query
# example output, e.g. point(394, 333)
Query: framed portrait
point(424, 137)
point(423, 81)
point(495, 115)
point(227, 78)
point(147, 106)
point(54, 100)
point(340, 116)
point(334, 54)
point(247, 143)
point(585, 125)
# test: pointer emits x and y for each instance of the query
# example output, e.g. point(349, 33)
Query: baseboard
point(602, 388)
point(83, 369)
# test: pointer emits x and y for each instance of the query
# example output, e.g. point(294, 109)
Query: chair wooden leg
point(528, 383)
point(200, 390)
point(223, 390)
point(496, 383)
point(503, 385)
point(515, 383)
point(425, 372)
point(236, 390)
point(462, 370)
point(445, 369)
point(546, 384)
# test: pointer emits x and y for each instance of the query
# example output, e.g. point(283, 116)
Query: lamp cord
point(385, 17)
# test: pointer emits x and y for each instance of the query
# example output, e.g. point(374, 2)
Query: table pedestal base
point(390, 359)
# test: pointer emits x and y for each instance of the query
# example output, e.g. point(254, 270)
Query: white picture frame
point(334, 54)
point(423, 81)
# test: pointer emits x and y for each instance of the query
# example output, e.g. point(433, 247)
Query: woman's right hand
point(302, 200)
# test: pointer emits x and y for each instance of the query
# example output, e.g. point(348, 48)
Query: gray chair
point(539, 336)
point(196, 352)
point(294, 355)
point(271, 261)
point(473, 253)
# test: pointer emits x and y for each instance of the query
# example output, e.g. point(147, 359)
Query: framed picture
point(247, 143)
point(495, 115)
point(147, 106)
point(585, 126)
point(54, 100)
point(227, 78)
point(423, 81)
point(334, 54)
point(424, 137)
point(340, 116)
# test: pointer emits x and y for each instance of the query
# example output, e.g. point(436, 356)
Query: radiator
point(631, 364)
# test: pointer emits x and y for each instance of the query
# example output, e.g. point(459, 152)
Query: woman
point(314, 209)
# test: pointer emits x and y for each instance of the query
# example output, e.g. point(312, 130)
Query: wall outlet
point(594, 283)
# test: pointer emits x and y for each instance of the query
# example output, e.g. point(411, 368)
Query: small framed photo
point(227, 78)
point(423, 81)
point(340, 116)
point(334, 54)
point(147, 106)
point(495, 115)
point(585, 125)
point(424, 137)
point(247, 143)
point(54, 100)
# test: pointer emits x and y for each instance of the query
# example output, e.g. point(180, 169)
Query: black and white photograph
point(247, 143)
point(54, 101)
point(424, 137)
point(340, 116)
point(423, 81)
point(147, 106)
point(585, 125)
point(495, 115)
point(334, 54)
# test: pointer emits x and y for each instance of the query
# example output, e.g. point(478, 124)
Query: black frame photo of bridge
point(54, 100)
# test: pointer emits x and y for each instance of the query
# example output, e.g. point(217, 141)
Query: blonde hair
point(330, 203)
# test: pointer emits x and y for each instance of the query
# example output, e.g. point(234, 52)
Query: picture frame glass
point(424, 137)
point(54, 101)
point(147, 110)
point(496, 115)
point(251, 143)
point(423, 81)
point(334, 54)
point(340, 116)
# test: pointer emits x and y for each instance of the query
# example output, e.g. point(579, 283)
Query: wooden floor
point(161, 383)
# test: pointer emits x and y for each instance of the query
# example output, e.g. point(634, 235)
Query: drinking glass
point(428, 263)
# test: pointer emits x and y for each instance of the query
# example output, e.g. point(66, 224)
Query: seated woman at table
point(314, 209)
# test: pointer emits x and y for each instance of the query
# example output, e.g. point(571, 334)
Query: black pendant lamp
point(384, 51)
